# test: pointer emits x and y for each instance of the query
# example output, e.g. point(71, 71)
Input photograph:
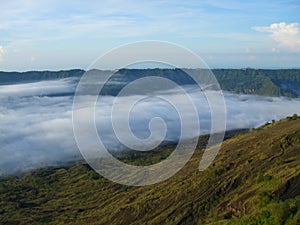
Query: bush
point(280, 213)
point(266, 198)
point(293, 117)
point(263, 178)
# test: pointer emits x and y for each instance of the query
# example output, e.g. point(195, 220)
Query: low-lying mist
point(36, 120)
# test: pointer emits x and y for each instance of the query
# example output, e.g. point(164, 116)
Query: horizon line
point(152, 68)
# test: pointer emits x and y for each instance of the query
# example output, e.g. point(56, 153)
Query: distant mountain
point(282, 82)
point(255, 179)
point(31, 76)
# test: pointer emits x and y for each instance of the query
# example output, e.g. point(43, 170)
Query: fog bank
point(36, 120)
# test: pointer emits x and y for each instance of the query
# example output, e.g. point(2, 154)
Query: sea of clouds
point(36, 120)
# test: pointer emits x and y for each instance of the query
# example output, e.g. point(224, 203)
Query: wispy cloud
point(66, 28)
point(287, 35)
point(1, 53)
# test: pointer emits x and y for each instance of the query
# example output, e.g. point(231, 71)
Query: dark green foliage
point(266, 198)
point(293, 117)
point(276, 213)
point(263, 178)
point(248, 81)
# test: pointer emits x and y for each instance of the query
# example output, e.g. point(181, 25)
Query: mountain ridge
point(281, 82)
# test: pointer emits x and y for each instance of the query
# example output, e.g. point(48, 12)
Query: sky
point(55, 35)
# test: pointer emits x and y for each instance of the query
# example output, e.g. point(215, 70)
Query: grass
point(254, 180)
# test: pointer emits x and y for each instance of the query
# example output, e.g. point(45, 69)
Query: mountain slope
point(284, 82)
point(254, 180)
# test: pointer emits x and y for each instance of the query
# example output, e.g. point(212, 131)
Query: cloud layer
point(36, 120)
point(1, 53)
point(287, 35)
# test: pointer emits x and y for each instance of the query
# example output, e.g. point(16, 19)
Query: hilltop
point(255, 179)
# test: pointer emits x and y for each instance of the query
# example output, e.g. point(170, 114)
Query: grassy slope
point(254, 180)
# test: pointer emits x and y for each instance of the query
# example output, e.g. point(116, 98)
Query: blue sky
point(52, 34)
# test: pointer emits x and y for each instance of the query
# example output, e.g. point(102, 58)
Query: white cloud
point(32, 59)
point(1, 53)
point(36, 119)
point(275, 50)
point(287, 35)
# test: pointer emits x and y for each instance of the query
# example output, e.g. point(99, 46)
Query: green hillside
point(254, 180)
point(283, 82)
